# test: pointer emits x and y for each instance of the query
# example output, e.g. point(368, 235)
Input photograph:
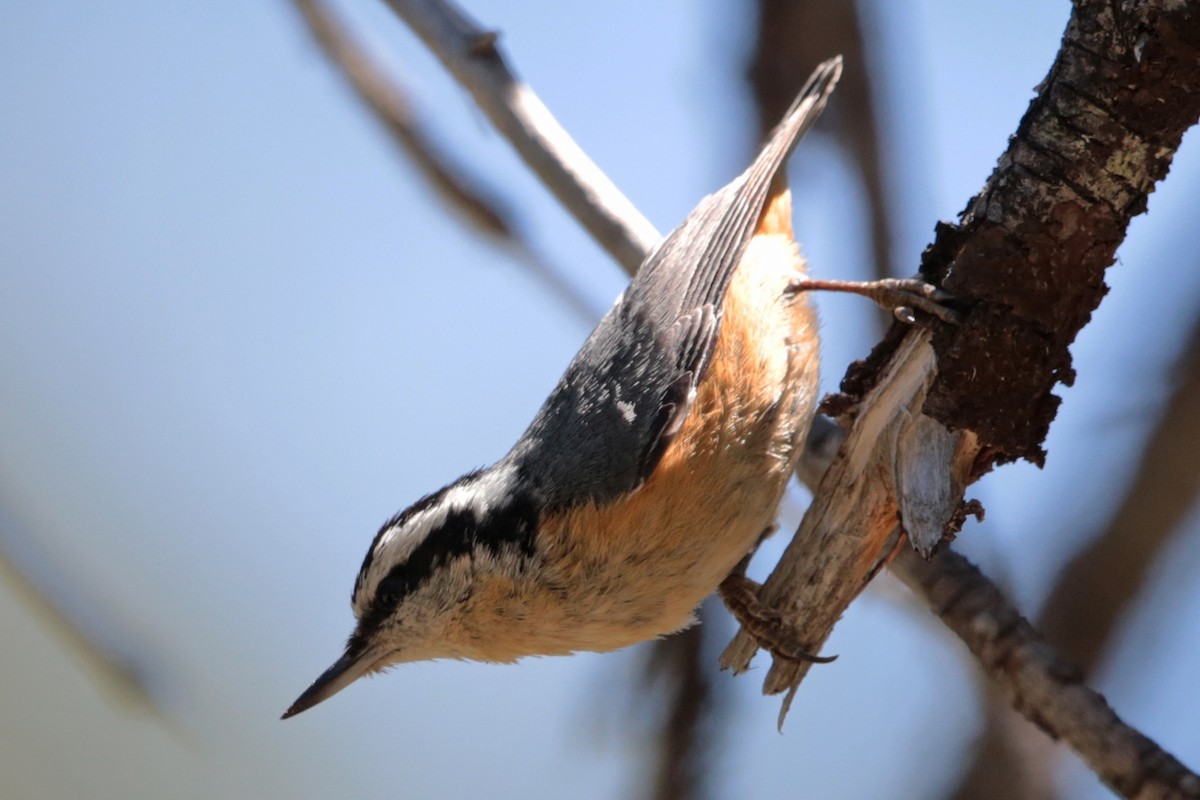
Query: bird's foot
point(899, 295)
point(764, 624)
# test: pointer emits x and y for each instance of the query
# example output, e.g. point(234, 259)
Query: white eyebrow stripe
point(400, 541)
point(483, 491)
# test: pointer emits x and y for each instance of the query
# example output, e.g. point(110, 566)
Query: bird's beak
point(357, 662)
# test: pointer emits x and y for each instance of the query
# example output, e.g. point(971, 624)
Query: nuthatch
point(654, 467)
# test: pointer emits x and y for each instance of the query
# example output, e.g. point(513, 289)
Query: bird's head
point(416, 582)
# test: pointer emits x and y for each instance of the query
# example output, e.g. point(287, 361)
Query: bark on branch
point(1030, 252)
point(1101, 581)
point(1043, 687)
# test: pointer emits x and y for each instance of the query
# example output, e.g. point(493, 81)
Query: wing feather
point(625, 396)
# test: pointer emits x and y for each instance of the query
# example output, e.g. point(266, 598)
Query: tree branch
point(1096, 587)
point(1030, 252)
point(1043, 687)
point(470, 54)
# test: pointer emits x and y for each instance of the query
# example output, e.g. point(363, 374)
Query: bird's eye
point(393, 587)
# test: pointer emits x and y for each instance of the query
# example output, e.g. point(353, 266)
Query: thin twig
point(471, 54)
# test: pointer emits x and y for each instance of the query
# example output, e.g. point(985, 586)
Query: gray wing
point(626, 394)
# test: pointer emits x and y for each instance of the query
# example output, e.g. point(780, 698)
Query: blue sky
point(237, 333)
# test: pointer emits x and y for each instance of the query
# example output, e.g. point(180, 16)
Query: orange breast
point(642, 564)
point(638, 567)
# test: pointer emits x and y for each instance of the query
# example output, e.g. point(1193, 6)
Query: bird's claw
point(901, 296)
point(763, 623)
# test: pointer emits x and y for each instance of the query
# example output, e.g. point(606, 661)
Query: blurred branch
point(1099, 583)
point(676, 666)
point(472, 56)
point(1043, 687)
point(793, 37)
point(392, 108)
point(466, 194)
point(117, 675)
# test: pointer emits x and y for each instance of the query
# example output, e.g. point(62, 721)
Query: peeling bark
point(1029, 255)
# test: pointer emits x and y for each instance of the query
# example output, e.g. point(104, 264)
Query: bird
point(649, 475)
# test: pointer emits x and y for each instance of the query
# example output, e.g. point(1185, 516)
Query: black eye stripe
point(510, 527)
point(401, 517)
